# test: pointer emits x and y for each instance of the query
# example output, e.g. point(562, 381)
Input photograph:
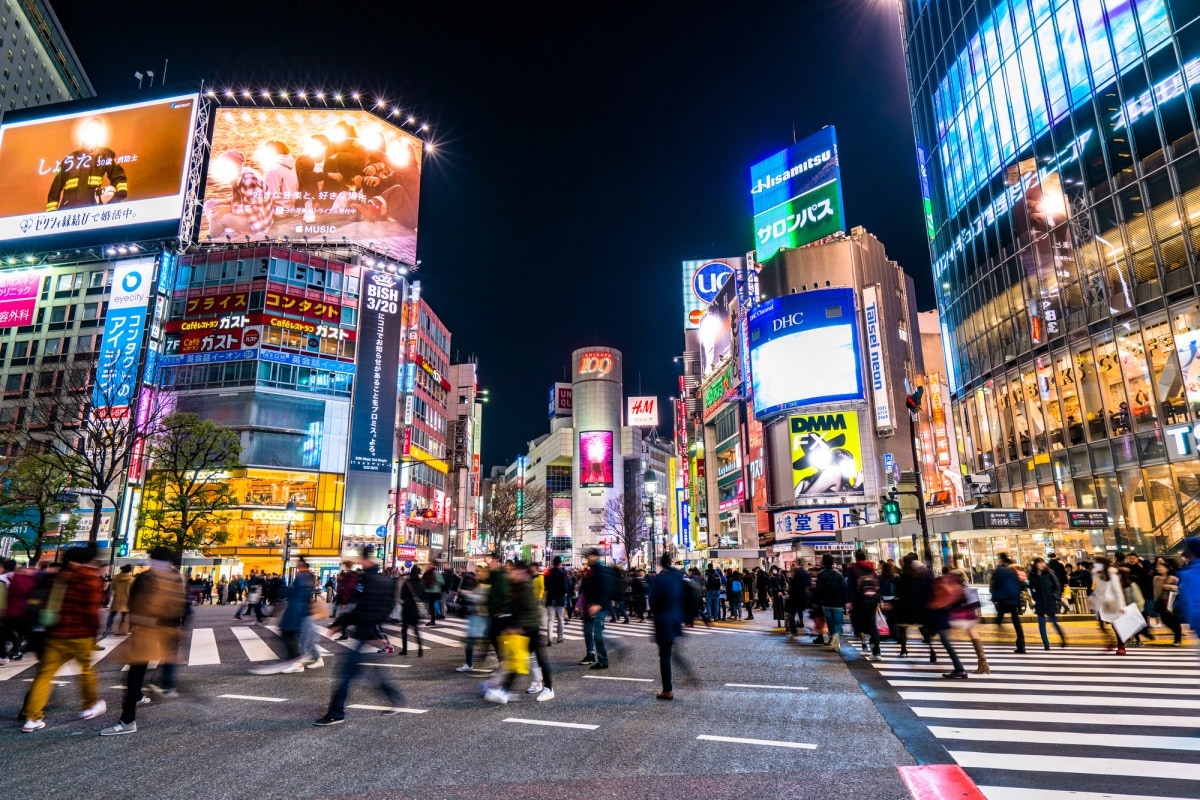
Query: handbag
point(318, 609)
point(881, 626)
point(515, 648)
point(1169, 605)
point(1129, 623)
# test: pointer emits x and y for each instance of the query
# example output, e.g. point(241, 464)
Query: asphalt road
point(235, 735)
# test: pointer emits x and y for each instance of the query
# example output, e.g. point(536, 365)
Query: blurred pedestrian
point(965, 616)
point(946, 597)
point(556, 599)
point(1108, 598)
point(1046, 591)
point(410, 610)
point(1187, 603)
point(863, 592)
point(70, 616)
point(157, 602)
point(670, 601)
point(524, 620)
point(597, 590)
point(120, 600)
point(433, 582)
point(1006, 587)
point(1166, 591)
point(830, 593)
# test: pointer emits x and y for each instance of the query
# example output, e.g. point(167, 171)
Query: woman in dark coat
point(1046, 591)
point(911, 605)
point(410, 611)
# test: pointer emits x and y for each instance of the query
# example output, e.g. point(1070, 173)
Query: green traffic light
point(891, 512)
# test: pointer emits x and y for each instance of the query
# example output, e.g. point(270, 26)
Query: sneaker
point(328, 719)
point(95, 711)
point(535, 687)
point(498, 696)
point(590, 658)
point(145, 701)
point(320, 662)
point(546, 694)
point(119, 728)
point(599, 665)
point(386, 651)
point(465, 668)
point(32, 725)
point(292, 668)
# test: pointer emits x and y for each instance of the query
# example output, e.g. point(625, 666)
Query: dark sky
point(584, 150)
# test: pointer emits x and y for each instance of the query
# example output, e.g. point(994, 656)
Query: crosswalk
point(1081, 723)
point(240, 643)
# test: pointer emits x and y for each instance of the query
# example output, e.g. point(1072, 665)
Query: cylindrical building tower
point(599, 463)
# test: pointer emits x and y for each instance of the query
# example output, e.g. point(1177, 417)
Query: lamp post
point(287, 538)
point(650, 485)
point(913, 402)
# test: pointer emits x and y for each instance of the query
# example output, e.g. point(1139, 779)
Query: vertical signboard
point(373, 409)
point(881, 395)
point(18, 297)
point(124, 323)
point(941, 438)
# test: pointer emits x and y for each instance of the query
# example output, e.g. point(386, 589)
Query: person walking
point(712, 594)
point(434, 582)
point(620, 589)
point(1006, 586)
point(1187, 602)
point(256, 589)
point(965, 616)
point(1166, 591)
point(669, 600)
point(735, 595)
point(410, 610)
point(830, 593)
point(637, 594)
point(474, 603)
point(524, 620)
point(222, 592)
point(157, 601)
point(1046, 591)
point(798, 592)
point(297, 621)
point(373, 600)
point(120, 600)
point(71, 615)
point(913, 588)
point(1108, 598)
point(946, 597)
point(556, 599)
point(862, 583)
point(597, 590)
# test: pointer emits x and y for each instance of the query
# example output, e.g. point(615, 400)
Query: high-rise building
point(1060, 172)
point(464, 435)
point(39, 66)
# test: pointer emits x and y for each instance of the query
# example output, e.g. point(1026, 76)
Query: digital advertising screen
point(19, 290)
point(804, 350)
point(701, 282)
point(796, 195)
point(596, 459)
point(560, 520)
point(826, 455)
point(334, 173)
point(715, 340)
point(92, 172)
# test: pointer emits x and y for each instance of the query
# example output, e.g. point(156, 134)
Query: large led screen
point(596, 459)
point(804, 350)
point(796, 195)
point(702, 280)
point(88, 172)
point(319, 174)
point(826, 455)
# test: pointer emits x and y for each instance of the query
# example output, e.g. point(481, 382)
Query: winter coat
point(797, 589)
point(913, 588)
point(1108, 597)
point(410, 603)
point(525, 613)
point(556, 587)
point(299, 602)
point(157, 606)
point(666, 604)
point(1046, 591)
point(1006, 585)
point(1187, 604)
point(597, 588)
point(120, 592)
point(830, 591)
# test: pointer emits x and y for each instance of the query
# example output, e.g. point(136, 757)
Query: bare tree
point(91, 430)
point(187, 488)
point(627, 521)
point(510, 515)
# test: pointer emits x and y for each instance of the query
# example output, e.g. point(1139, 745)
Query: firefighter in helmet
point(80, 178)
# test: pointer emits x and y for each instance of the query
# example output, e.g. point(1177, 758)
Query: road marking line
point(1081, 671)
point(1056, 737)
point(203, 649)
point(1008, 698)
point(389, 666)
point(766, 686)
point(52, 683)
point(1058, 677)
point(1014, 793)
point(1115, 767)
point(255, 648)
point(551, 724)
point(14, 668)
point(612, 678)
point(1043, 687)
point(1061, 717)
point(425, 637)
point(391, 708)
point(768, 742)
point(253, 697)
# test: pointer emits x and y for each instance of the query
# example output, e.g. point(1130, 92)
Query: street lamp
point(913, 403)
point(287, 538)
point(650, 485)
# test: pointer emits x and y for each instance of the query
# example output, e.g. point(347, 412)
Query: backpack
point(866, 588)
point(737, 587)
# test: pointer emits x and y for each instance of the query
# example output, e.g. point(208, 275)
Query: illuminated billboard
point(804, 350)
point(596, 459)
point(715, 340)
point(701, 282)
point(313, 173)
point(19, 291)
point(124, 327)
point(641, 412)
point(826, 455)
point(796, 195)
point(560, 521)
point(90, 172)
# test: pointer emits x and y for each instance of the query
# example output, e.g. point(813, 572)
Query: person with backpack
point(70, 615)
point(830, 594)
point(434, 582)
point(735, 595)
point(157, 601)
point(1006, 587)
point(712, 593)
point(1046, 591)
point(862, 582)
point(373, 600)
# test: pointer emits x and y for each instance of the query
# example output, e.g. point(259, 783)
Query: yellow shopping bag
point(515, 648)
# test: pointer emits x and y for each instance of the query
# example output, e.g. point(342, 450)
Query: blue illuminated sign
point(804, 351)
point(796, 195)
point(709, 279)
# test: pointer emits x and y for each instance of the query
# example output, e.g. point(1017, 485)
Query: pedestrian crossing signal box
point(122, 550)
point(891, 511)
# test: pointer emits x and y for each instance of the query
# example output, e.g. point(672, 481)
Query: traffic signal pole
point(913, 402)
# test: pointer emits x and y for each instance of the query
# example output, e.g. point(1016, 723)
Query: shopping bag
point(881, 624)
point(515, 648)
point(1130, 622)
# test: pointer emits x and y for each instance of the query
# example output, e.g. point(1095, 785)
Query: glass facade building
point(1057, 145)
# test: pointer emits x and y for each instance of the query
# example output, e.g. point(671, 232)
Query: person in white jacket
point(1108, 599)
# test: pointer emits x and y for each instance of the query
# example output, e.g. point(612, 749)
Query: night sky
point(583, 151)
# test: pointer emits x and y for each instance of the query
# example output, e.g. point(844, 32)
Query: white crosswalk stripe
point(1051, 724)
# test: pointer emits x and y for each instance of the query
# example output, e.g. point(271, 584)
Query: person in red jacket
point(74, 596)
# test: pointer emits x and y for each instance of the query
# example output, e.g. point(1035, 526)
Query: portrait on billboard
point(596, 459)
point(94, 170)
point(715, 339)
point(826, 455)
point(338, 174)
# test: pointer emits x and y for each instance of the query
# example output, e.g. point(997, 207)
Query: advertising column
point(373, 409)
point(596, 413)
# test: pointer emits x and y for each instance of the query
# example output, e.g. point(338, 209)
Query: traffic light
point(122, 550)
point(891, 511)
